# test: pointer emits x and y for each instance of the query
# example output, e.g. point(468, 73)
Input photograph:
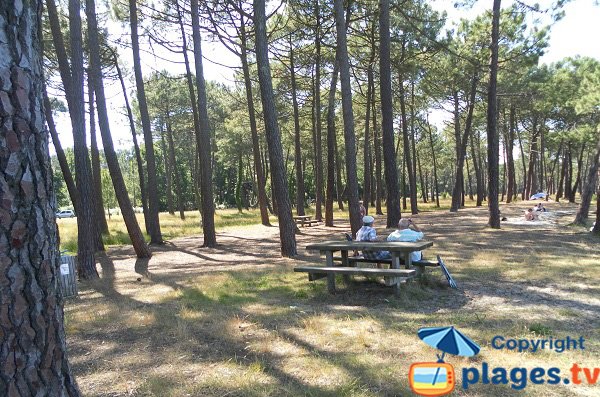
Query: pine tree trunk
point(176, 174)
point(492, 123)
point(568, 172)
point(86, 231)
point(136, 147)
point(317, 124)
point(461, 142)
point(33, 353)
point(367, 172)
point(331, 148)
point(287, 227)
point(101, 223)
point(133, 228)
point(260, 178)
point(435, 177)
point(412, 184)
point(153, 223)
point(578, 176)
point(203, 141)
point(300, 192)
point(387, 118)
point(96, 198)
point(588, 189)
point(348, 116)
point(378, 170)
point(510, 162)
point(339, 186)
point(73, 85)
point(60, 153)
point(168, 172)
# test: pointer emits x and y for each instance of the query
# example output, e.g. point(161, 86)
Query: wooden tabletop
point(395, 246)
point(303, 217)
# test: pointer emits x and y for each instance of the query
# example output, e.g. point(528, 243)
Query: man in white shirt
point(408, 231)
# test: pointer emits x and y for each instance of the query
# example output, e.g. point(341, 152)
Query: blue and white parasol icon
point(448, 340)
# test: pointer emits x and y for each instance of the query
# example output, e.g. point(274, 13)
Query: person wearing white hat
point(368, 233)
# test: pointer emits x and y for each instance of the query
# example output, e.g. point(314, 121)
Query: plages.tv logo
point(438, 378)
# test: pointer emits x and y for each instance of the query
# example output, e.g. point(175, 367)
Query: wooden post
point(68, 276)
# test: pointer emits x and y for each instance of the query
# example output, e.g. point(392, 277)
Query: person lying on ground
point(408, 231)
point(368, 233)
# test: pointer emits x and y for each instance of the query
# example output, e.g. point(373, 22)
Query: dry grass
point(236, 321)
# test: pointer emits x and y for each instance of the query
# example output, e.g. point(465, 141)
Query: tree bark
point(435, 176)
point(260, 178)
point(73, 85)
point(60, 153)
point(339, 186)
point(86, 232)
point(367, 172)
point(331, 148)
point(33, 353)
point(412, 183)
point(168, 172)
point(387, 118)
point(318, 129)
point(203, 141)
point(300, 192)
point(100, 225)
point(287, 227)
point(510, 162)
point(348, 116)
point(133, 229)
point(578, 176)
point(174, 169)
point(378, 170)
point(153, 222)
point(589, 188)
point(492, 123)
point(136, 147)
point(461, 143)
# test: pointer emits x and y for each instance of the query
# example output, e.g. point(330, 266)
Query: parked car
point(65, 214)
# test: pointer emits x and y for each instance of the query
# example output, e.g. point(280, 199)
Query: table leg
point(407, 260)
point(395, 281)
point(331, 283)
point(345, 264)
point(330, 276)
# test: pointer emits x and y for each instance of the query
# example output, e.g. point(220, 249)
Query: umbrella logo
point(437, 378)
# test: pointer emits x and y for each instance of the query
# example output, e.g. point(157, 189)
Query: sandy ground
point(473, 252)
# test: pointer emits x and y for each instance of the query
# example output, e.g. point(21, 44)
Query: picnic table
point(305, 220)
point(394, 275)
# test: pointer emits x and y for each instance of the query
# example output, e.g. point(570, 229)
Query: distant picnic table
point(346, 264)
point(305, 220)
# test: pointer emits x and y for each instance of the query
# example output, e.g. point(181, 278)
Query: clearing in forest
point(236, 320)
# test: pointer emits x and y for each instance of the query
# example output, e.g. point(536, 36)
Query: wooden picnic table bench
point(305, 220)
point(398, 250)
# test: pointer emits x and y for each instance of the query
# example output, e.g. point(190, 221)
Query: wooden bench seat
point(306, 222)
point(317, 272)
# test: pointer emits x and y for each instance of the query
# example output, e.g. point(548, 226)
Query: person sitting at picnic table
point(408, 231)
point(530, 215)
point(368, 233)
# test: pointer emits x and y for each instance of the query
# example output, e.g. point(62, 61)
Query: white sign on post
point(64, 269)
